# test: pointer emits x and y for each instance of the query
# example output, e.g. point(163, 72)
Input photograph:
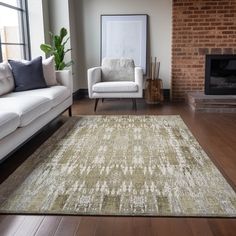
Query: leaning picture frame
point(125, 36)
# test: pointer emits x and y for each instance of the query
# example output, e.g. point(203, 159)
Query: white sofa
point(116, 78)
point(22, 114)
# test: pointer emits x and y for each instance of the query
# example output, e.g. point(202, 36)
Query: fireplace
point(220, 75)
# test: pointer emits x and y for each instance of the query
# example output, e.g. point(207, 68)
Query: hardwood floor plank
point(49, 226)
point(87, 226)
point(68, 226)
point(10, 224)
point(29, 226)
point(223, 227)
point(142, 226)
point(2, 218)
point(170, 226)
point(105, 226)
point(123, 226)
point(199, 227)
point(161, 227)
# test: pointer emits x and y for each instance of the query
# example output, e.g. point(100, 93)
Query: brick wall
point(199, 27)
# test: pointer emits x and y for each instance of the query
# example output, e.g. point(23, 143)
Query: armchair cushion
point(115, 87)
point(117, 69)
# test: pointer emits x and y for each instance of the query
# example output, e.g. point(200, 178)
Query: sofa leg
point(96, 103)
point(134, 104)
point(70, 111)
point(102, 100)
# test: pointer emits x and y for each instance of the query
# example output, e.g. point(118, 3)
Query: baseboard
point(83, 93)
point(80, 93)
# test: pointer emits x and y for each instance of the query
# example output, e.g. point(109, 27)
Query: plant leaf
point(63, 33)
point(57, 48)
point(69, 63)
point(62, 65)
point(68, 50)
point(57, 41)
point(46, 48)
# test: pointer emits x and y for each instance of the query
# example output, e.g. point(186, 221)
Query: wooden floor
point(215, 132)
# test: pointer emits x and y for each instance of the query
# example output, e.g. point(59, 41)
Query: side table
point(154, 91)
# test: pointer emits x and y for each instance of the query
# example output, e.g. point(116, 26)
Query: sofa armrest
point(138, 77)
point(64, 77)
point(94, 76)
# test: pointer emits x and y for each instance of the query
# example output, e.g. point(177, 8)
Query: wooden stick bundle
point(150, 68)
point(154, 69)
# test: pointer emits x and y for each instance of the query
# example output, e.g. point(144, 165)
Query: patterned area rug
point(119, 165)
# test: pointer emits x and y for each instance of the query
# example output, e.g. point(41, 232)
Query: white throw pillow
point(49, 71)
point(6, 79)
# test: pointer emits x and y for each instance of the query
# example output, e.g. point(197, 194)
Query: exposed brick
point(199, 28)
point(203, 51)
point(228, 50)
point(216, 50)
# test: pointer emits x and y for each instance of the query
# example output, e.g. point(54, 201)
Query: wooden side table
point(154, 91)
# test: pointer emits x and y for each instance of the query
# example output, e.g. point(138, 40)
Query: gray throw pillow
point(28, 75)
point(117, 69)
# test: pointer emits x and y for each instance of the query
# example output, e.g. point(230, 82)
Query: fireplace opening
point(220, 75)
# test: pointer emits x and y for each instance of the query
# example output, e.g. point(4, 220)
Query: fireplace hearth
point(200, 102)
point(220, 75)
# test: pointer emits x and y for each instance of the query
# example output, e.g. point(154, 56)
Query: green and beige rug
point(119, 165)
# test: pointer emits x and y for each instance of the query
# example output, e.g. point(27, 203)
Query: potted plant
point(57, 49)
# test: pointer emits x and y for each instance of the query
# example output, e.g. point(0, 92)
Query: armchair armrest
point(138, 77)
point(64, 77)
point(94, 76)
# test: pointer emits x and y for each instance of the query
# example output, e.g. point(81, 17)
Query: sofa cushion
point(117, 69)
point(28, 75)
point(115, 87)
point(28, 108)
point(9, 121)
point(56, 94)
point(6, 79)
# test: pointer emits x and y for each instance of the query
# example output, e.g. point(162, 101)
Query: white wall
point(38, 25)
point(88, 31)
point(46, 21)
point(74, 43)
point(59, 15)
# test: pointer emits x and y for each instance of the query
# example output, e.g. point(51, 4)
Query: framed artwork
point(125, 36)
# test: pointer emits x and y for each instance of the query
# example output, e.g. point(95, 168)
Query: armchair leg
point(96, 103)
point(134, 104)
point(102, 100)
point(70, 111)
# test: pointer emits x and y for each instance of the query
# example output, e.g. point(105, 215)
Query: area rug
point(119, 165)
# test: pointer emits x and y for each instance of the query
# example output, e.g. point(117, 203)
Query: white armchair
point(116, 78)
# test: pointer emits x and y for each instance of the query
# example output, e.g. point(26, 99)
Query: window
point(14, 33)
